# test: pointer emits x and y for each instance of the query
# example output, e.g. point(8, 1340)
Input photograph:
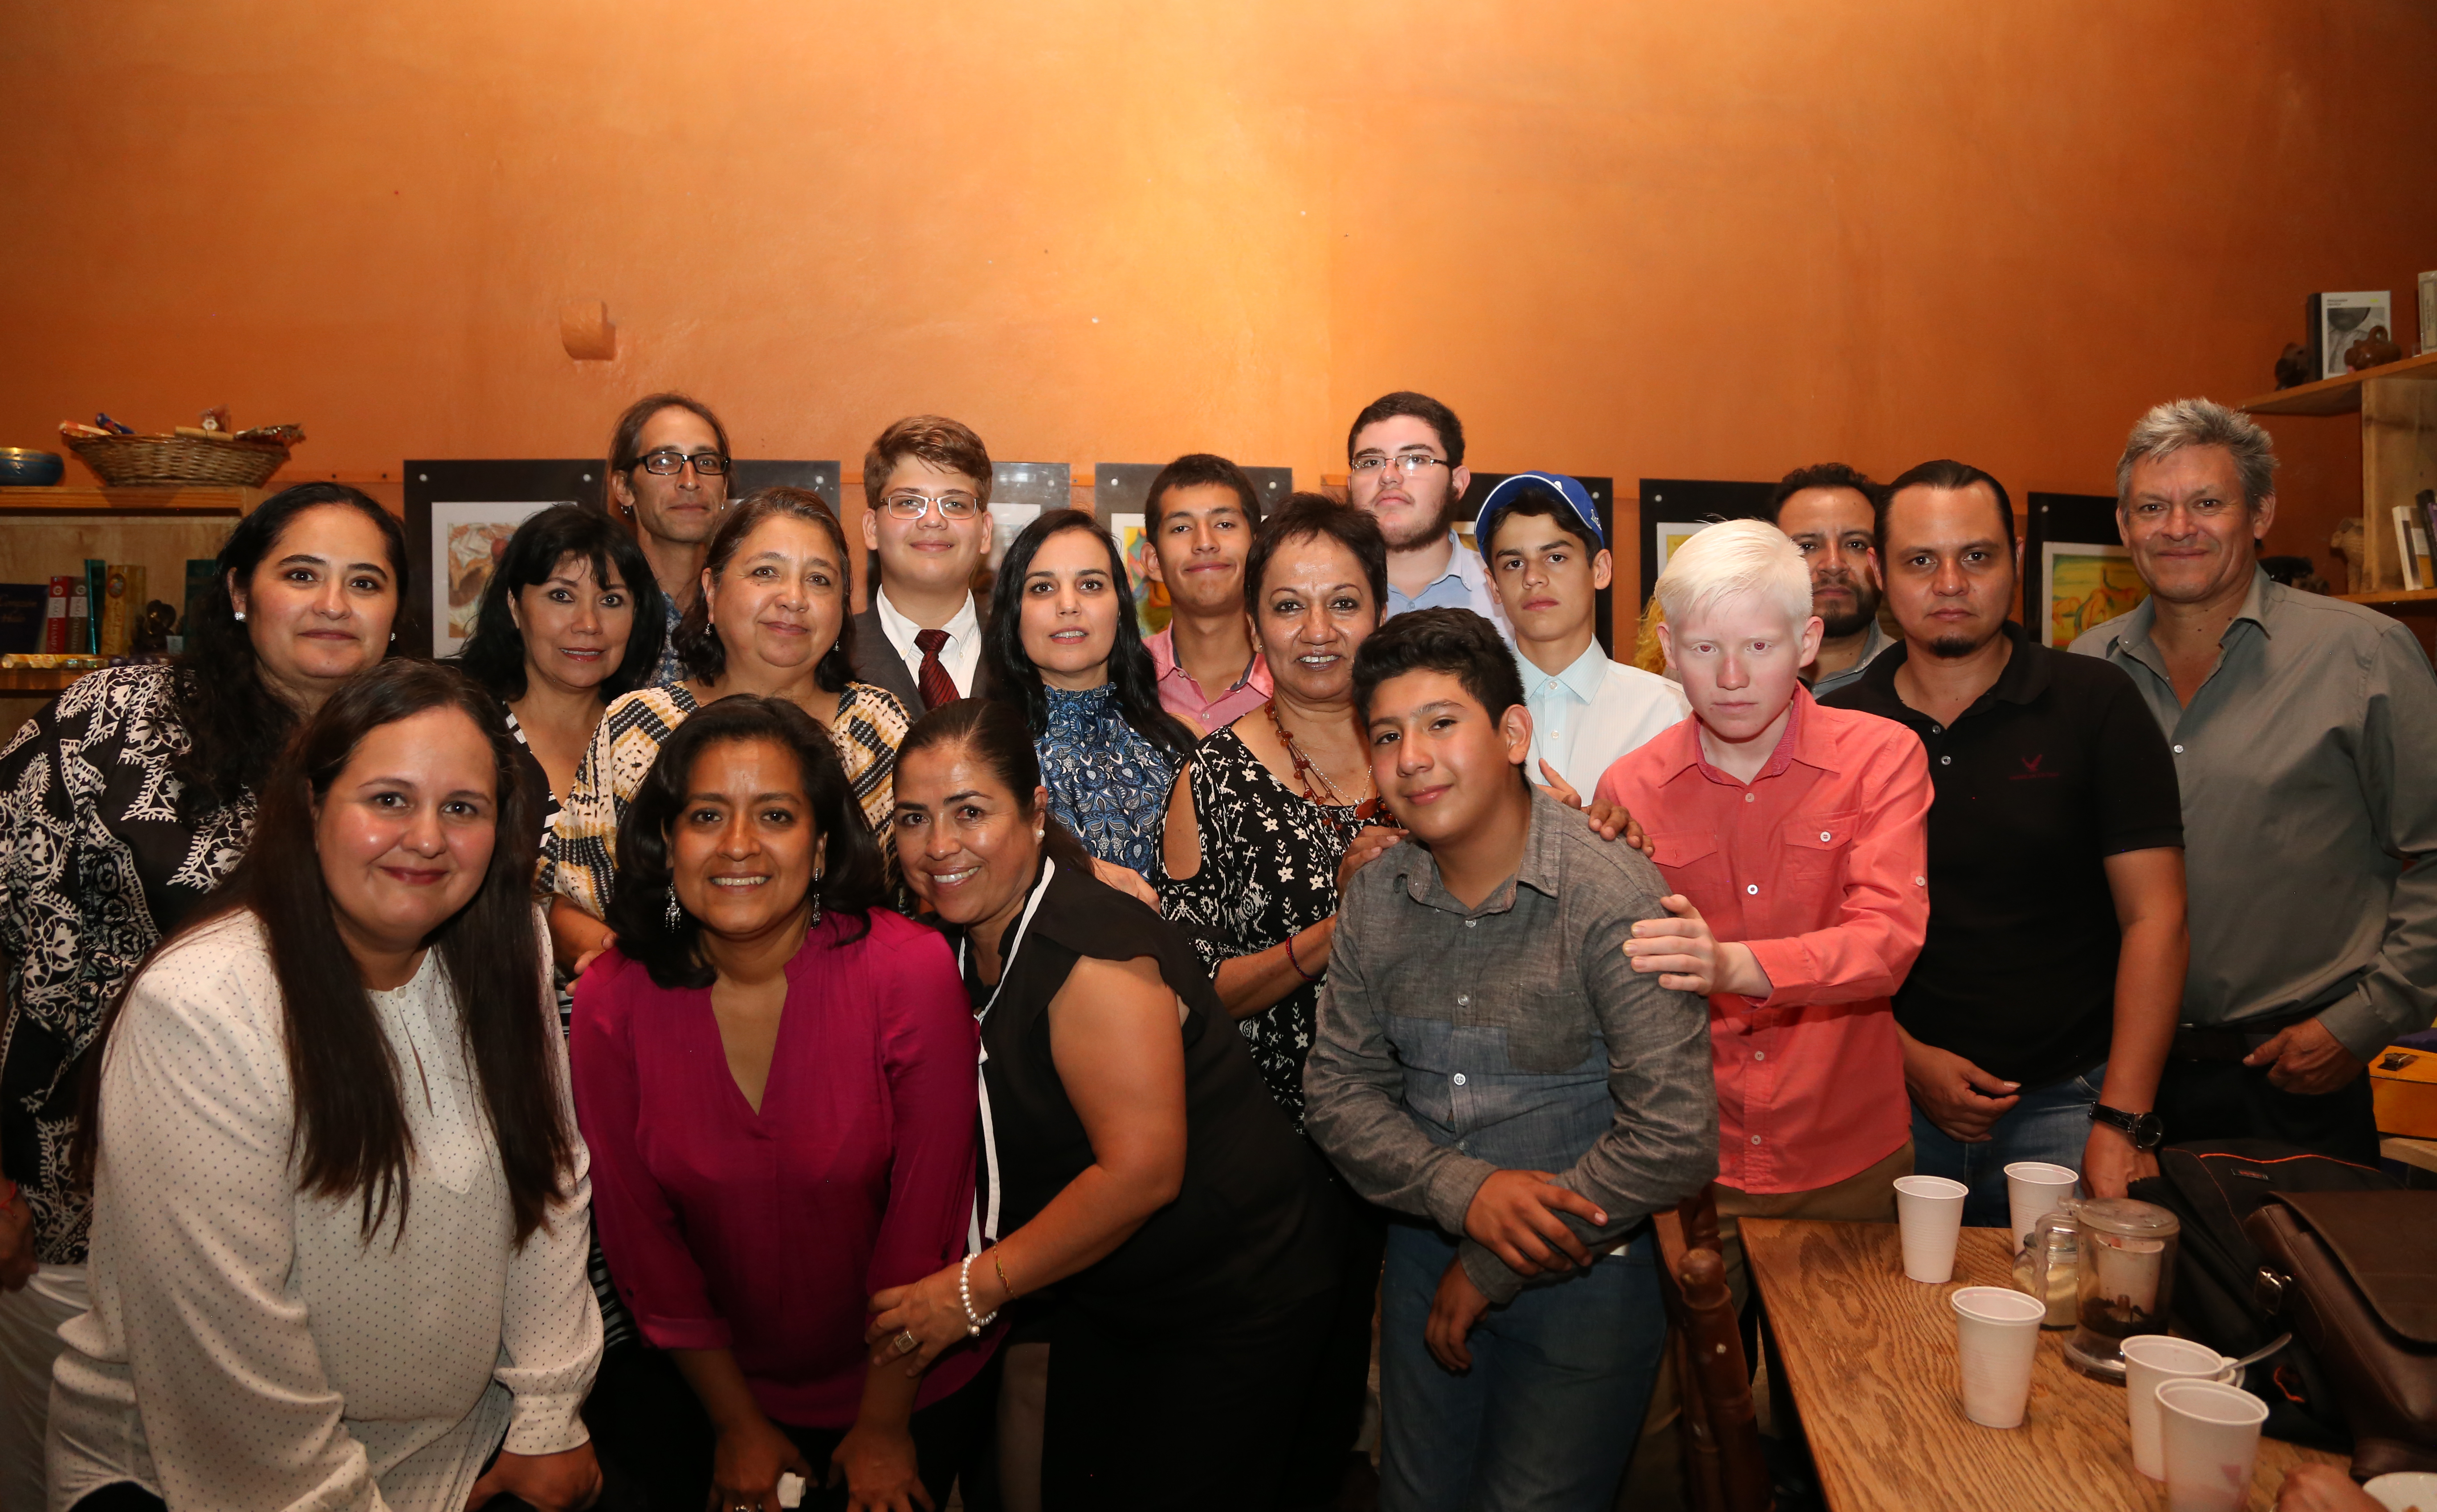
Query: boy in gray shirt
point(1488, 1060)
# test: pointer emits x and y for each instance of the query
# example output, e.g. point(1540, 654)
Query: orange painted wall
point(1630, 239)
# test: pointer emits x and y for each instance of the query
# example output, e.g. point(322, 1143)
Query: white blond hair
point(1729, 559)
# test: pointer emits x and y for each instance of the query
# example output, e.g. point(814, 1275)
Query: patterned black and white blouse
point(580, 848)
point(102, 852)
point(1268, 871)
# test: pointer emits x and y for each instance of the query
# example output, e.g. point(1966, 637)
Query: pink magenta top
point(767, 1233)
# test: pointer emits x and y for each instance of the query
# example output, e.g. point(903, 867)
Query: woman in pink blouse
point(775, 1078)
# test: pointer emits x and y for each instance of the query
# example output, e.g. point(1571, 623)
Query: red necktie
point(937, 686)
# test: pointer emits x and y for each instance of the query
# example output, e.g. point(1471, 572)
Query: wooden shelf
point(37, 679)
point(2341, 396)
point(2395, 598)
point(131, 501)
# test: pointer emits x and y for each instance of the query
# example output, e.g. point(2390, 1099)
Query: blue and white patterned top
point(1107, 782)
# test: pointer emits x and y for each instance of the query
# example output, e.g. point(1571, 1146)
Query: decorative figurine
point(2293, 368)
point(2346, 544)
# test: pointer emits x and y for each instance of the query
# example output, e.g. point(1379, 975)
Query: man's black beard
point(1954, 647)
point(1858, 618)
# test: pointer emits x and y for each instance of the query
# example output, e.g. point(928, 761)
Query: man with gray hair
point(2302, 728)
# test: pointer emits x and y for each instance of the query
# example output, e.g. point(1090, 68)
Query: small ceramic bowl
point(22, 467)
point(2405, 1490)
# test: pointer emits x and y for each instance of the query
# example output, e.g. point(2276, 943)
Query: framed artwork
point(2076, 572)
point(2084, 585)
point(467, 542)
point(1132, 534)
point(1673, 510)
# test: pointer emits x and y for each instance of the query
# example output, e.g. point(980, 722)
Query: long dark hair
point(494, 656)
point(698, 641)
point(995, 734)
point(853, 879)
point(1011, 674)
point(237, 726)
point(350, 1134)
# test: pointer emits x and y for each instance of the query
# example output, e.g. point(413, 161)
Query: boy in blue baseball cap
point(1540, 537)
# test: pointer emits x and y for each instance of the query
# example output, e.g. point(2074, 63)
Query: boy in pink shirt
point(1795, 839)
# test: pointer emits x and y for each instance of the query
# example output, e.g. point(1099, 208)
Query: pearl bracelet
point(974, 1323)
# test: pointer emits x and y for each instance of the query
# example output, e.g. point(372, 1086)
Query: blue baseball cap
point(1521, 486)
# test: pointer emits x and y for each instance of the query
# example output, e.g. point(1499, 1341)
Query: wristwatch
point(2147, 1130)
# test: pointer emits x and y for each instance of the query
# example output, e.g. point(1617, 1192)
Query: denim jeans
point(2050, 1124)
point(1546, 1418)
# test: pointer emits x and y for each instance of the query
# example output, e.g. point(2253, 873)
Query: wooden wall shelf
point(42, 680)
point(2398, 404)
point(2341, 396)
point(131, 501)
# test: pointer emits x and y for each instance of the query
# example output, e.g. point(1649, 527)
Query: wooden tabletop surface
point(1871, 1357)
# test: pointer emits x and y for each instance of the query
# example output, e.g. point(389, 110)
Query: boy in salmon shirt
point(1795, 838)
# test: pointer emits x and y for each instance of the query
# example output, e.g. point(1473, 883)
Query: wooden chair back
point(1724, 1471)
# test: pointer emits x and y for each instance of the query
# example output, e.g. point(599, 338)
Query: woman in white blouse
point(339, 1236)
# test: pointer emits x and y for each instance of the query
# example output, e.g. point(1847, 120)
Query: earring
point(675, 915)
point(240, 616)
point(1041, 831)
point(817, 899)
point(393, 634)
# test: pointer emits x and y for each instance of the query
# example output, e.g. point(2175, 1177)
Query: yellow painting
point(2087, 587)
point(1151, 607)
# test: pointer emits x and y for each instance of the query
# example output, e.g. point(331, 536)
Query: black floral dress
point(103, 850)
point(1268, 870)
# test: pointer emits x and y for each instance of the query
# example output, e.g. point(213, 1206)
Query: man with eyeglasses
point(1406, 452)
point(2301, 728)
point(668, 481)
point(927, 483)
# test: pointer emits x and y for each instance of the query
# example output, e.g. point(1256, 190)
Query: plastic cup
point(2150, 1360)
point(1929, 1217)
point(2210, 1432)
point(1997, 1333)
point(2033, 1191)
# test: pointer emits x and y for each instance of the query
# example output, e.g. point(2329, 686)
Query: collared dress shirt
point(1183, 696)
point(1820, 865)
point(959, 656)
point(1456, 1041)
point(2310, 793)
point(1876, 646)
point(1591, 713)
point(1465, 585)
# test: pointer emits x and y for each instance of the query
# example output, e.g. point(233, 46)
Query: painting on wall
point(1672, 534)
point(467, 541)
point(2087, 584)
point(1151, 608)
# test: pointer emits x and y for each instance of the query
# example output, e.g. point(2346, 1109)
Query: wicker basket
point(122, 461)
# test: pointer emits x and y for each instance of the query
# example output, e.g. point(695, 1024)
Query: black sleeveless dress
point(1181, 1363)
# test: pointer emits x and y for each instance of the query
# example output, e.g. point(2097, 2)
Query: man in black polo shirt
point(2036, 1021)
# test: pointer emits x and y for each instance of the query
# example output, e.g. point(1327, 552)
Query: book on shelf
point(200, 572)
point(23, 609)
point(2333, 323)
point(55, 617)
point(94, 570)
point(79, 615)
point(2411, 548)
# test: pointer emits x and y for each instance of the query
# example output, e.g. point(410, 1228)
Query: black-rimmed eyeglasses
point(669, 461)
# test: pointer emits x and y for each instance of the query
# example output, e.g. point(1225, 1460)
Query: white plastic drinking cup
point(1997, 1333)
point(2033, 1189)
point(2152, 1360)
point(1929, 1217)
point(2210, 1433)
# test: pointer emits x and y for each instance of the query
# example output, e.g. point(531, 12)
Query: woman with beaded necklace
point(1265, 825)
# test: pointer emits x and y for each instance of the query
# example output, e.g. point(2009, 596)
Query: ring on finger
point(907, 1342)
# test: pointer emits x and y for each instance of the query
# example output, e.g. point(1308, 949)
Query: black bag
point(2212, 1188)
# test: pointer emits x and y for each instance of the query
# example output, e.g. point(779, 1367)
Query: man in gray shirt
point(2303, 730)
point(1488, 1061)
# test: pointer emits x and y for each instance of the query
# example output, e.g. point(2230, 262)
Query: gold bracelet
point(997, 1265)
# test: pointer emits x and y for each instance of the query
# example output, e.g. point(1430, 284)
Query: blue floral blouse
point(1107, 782)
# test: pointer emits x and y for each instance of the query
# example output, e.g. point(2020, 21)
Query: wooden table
point(1870, 1358)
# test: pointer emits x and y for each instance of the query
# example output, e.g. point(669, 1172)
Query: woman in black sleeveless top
point(1131, 1156)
